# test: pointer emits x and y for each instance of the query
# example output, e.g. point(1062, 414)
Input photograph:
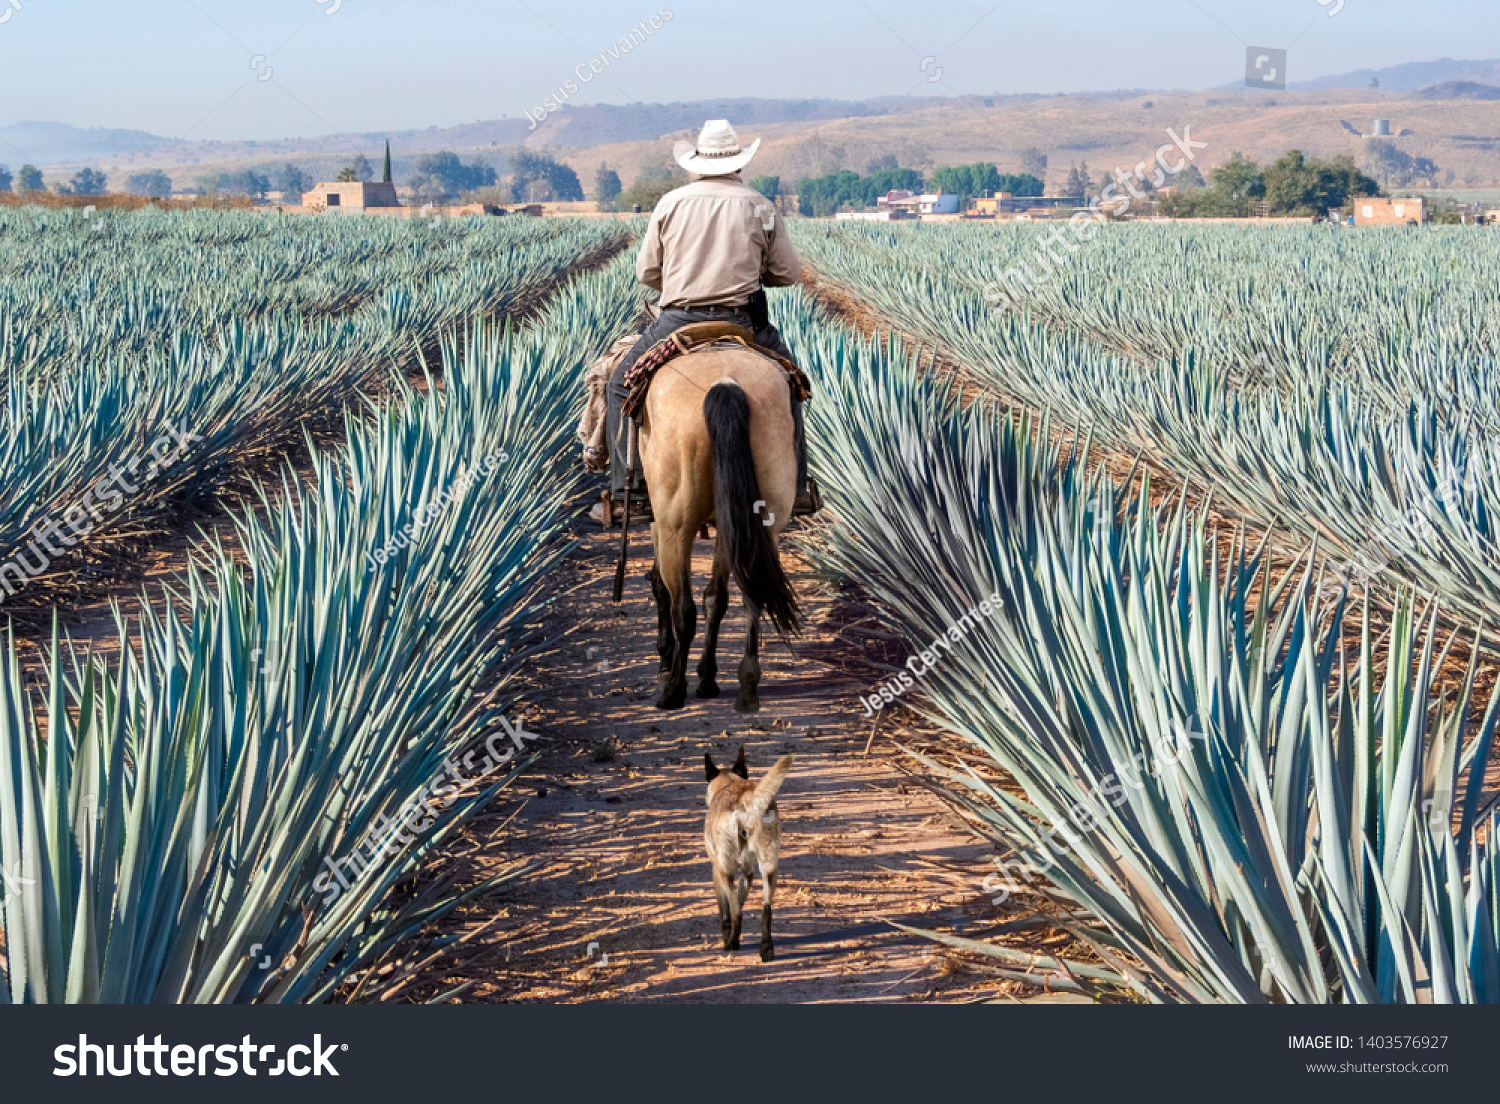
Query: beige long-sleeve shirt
point(713, 242)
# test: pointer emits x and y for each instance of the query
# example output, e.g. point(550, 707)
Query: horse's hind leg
point(715, 602)
point(749, 699)
point(674, 564)
point(663, 618)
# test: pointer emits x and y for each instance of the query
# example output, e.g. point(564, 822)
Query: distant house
point(357, 195)
point(887, 215)
point(896, 200)
point(938, 203)
point(1370, 211)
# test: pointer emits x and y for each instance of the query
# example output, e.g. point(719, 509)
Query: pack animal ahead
point(742, 831)
point(716, 445)
point(716, 407)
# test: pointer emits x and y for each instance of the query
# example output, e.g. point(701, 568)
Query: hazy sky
point(184, 67)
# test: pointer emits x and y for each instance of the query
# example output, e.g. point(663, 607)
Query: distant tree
point(5, 179)
point(1023, 184)
point(967, 181)
point(1190, 178)
point(1034, 163)
point(208, 184)
point(1423, 168)
point(768, 186)
point(29, 179)
point(153, 183)
point(86, 182)
point(1077, 183)
point(292, 181)
point(1239, 178)
point(245, 182)
point(1292, 185)
point(660, 169)
point(539, 177)
point(347, 175)
point(1388, 163)
point(1374, 82)
point(884, 162)
point(653, 180)
point(442, 175)
point(881, 181)
point(821, 196)
point(607, 186)
point(385, 176)
point(645, 194)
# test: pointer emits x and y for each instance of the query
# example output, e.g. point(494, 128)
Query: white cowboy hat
point(718, 151)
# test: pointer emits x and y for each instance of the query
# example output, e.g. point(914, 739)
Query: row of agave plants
point(1382, 310)
point(217, 815)
point(89, 433)
point(1228, 800)
point(1407, 497)
point(75, 292)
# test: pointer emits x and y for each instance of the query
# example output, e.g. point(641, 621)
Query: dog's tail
point(766, 789)
point(744, 541)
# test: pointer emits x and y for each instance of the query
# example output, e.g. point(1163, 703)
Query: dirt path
point(618, 845)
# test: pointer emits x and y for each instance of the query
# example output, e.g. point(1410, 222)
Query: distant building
point(1370, 211)
point(356, 195)
point(887, 215)
point(898, 197)
point(938, 203)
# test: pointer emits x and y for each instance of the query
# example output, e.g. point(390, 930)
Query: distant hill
point(576, 127)
point(1455, 121)
point(53, 143)
point(1460, 90)
point(1409, 77)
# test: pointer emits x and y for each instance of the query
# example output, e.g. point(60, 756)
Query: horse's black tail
point(744, 538)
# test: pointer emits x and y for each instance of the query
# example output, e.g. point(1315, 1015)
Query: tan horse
point(716, 443)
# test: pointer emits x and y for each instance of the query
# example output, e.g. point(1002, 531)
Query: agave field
point(1333, 386)
point(167, 810)
point(225, 332)
point(1228, 780)
point(1237, 784)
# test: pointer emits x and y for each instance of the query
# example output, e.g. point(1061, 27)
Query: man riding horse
point(711, 247)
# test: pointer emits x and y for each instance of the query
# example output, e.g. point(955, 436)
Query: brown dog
point(742, 825)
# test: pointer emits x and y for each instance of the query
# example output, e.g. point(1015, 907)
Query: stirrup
point(809, 503)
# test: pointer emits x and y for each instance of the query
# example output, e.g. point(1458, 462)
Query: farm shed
point(1369, 211)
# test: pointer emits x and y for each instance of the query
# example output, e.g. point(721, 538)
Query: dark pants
point(663, 326)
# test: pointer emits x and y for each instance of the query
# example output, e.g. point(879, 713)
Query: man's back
point(713, 242)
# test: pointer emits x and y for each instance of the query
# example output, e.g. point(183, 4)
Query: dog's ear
point(739, 767)
point(709, 768)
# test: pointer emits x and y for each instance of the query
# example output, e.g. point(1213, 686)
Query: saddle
point(694, 336)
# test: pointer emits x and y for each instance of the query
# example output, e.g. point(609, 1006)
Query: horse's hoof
point(767, 952)
point(751, 706)
point(708, 689)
